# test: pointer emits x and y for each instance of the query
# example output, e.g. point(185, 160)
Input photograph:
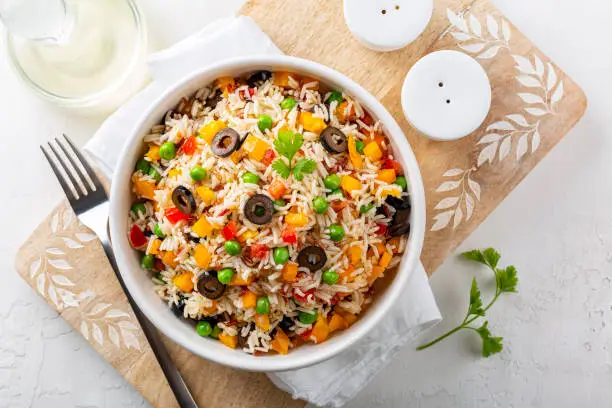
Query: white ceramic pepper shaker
point(446, 95)
point(387, 25)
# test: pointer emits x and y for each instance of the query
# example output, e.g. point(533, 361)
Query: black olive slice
point(209, 286)
point(259, 209)
point(178, 308)
point(214, 100)
point(398, 203)
point(225, 142)
point(334, 140)
point(257, 77)
point(312, 257)
point(183, 200)
point(400, 224)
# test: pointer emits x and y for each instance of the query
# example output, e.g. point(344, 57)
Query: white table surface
point(556, 227)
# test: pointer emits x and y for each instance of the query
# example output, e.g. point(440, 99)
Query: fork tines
point(72, 170)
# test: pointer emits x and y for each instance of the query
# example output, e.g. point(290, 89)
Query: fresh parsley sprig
point(506, 281)
point(287, 145)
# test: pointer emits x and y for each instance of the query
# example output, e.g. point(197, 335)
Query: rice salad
point(265, 208)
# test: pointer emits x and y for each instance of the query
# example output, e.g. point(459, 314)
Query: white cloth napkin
point(332, 382)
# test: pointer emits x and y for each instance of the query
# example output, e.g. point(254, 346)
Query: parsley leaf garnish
point(287, 145)
point(506, 281)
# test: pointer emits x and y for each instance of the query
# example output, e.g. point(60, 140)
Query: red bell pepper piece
point(174, 215)
point(137, 237)
point(259, 251)
point(389, 163)
point(229, 231)
point(306, 335)
point(190, 145)
point(268, 156)
point(289, 235)
point(382, 229)
point(307, 295)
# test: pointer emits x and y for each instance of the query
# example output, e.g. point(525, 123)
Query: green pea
point(335, 96)
point(359, 145)
point(320, 205)
point(288, 103)
point(143, 166)
point(336, 232)
point(204, 328)
point(232, 247)
point(279, 202)
point(332, 181)
point(337, 191)
point(250, 178)
point(330, 277)
point(155, 174)
point(225, 275)
point(308, 318)
point(264, 122)
point(280, 255)
point(198, 173)
point(263, 305)
point(148, 261)
point(401, 181)
point(167, 151)
point(365, 208)
point(158, 231)
point(216, 331)
point(139, 208)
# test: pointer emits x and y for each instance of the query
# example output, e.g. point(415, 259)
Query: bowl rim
point(319, 352)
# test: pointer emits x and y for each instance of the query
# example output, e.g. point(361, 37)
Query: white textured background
point(556, 227)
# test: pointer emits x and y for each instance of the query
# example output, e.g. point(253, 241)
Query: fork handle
point(178, 386)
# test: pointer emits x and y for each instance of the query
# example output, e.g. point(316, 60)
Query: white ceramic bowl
point(139, 283)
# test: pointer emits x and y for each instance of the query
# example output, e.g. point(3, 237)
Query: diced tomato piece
point(306, 335)
point(392, 164)
point(174, 215)
point(305, 297)
point(190, 145)
point(277, 189)
point(259, 251)
point(137, 237)
point(159, 265)
point(269, 155)
point(289, 235)
point(334, 300)
point(367, 119)
point(382, 229)
point(222, 213)
point(251, 92)
point(229, 231)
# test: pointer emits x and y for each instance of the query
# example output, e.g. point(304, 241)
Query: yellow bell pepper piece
point(355, 157)
point(209, 130)
point(255, 147)
point(154, 248)
point(145, 188)
point(226, 84)
point(337, 322)
point(386, 175)
point(320, 331)
point(206, 194)
point(202, 256)
point(296, 219)
point(281, 78)
point(355, 253)
point(184, 281)
point(202, 227)
point(249, 300)
point(229, 341)
point(372, 151)
point(153, 153)
point(238, 281)
point(290, 271)
point(391, 191)
point(281, 342)
point(249, 234)
point(385, 259)
point(312, 123)
point(175, 173)
point(262, 321)
point(377, 271)
point(169, 258)
point(349, 184)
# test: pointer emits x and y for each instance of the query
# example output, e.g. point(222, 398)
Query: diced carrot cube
point(145, 189)
point(355, 253)
point(238, 281)
point(320, 331)
point(277, 189)
point(169, 258)
point(386, 175)
point(290, 271)
point(281, 342)
point(385, 260)
point(229, 341)
point(249, 300)
point(262, 321)
point(184, 281)
point(337, 322)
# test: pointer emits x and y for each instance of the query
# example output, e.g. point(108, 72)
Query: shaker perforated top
point(446, 95)
point(387, 25)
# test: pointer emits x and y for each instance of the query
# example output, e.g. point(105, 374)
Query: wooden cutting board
point(534, 105)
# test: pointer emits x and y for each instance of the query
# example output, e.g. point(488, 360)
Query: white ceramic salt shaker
point(387, 25)
point(446, 95)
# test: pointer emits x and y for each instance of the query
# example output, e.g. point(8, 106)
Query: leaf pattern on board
point(482, 40)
